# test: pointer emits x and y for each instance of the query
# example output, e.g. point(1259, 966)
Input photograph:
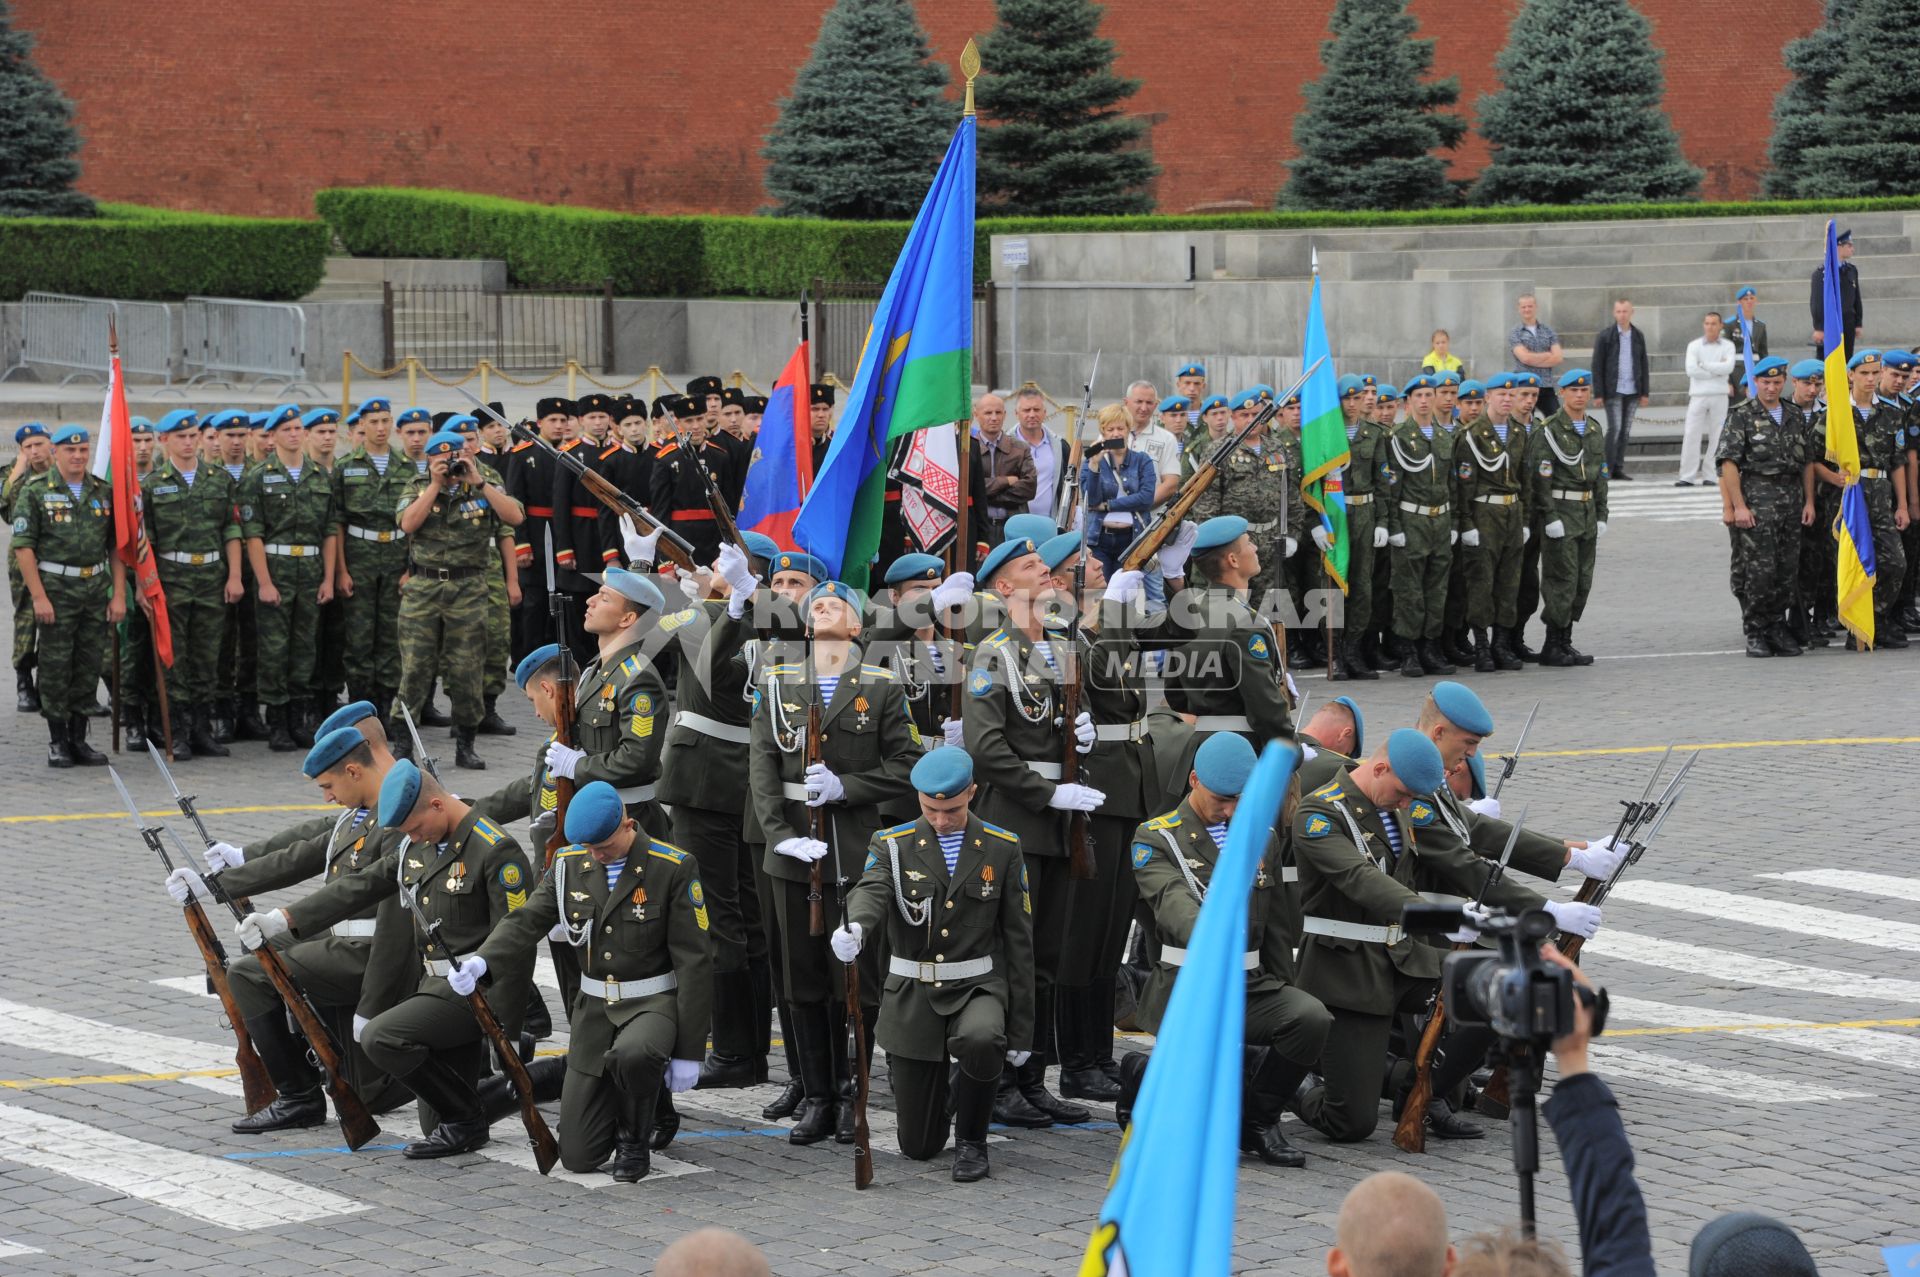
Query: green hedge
point(708, 256)
point(151, 254)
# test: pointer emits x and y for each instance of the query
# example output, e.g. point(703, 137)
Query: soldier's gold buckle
point(926, 973)
point(1394, 933)
point(612, 990)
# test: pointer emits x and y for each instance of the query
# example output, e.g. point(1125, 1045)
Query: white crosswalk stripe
point(1853, 880)
point(1778, 915)
point(13, 1250)
point(1864, 1046)
point(1660, 502)
point(1725, 969)
point(1736, 1085)
point(57, 1033)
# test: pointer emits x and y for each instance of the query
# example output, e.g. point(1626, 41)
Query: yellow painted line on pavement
point(161, 813)
point(106, 1079)
point(1810, 743)
point(1761, 1028)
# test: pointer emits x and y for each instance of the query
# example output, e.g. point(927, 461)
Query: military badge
point(1142, 853)
point(980, 683)
point(1546, 469)
point(1257, 646)
point(510, 875)
point(1318, 826)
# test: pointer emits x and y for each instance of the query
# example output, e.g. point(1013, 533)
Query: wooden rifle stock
point(356, 1123)
point(546, 1151)
point(1169, 520)
point(673, 547)
point(817, 830)
point(255, 1082)
point(1410, 1132)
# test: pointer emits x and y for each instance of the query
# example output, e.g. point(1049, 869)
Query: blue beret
point(944, 772)
point(594, 813)
point(1745, 292)
point(1174, 403)
point(257, 420)
point(533, 662)
point(1220, 530)
point(1223, 763)
point(1499, 381)
point(1262, 391)
point(1032, 527)
point(1293, 397)
point(1526, 380)
point(799, 561)
point(1891, 358)
point(1446, 377)
point(1055, 551)
point(760, 545)
point(353, 418)
point(1415, 761)
point(280, 416)
point(1420, 381)
point(1191, 370)
point(835, 590)
point(1576, 378)
point(412, 415)
point(178, 419)
point(330, 748)
point(374, 405)
point(1771, 364)
point(230, 419)
point(71, 434)
point(1861, 359)
point(1359, 725)
point(1387, 392)
point(1245, 399)
point(1213, 401)
point(443, 442)
point(1004, 553)
point(1462, 707)
point(31, 430)
point(320, 417)
point(140, 426)
point(1807, 370)
point(398, 793)
point(345, 716)
point(1368, 379)
point(634, 586)
point(1472, 390)
point(914, 567)
point(1478, 770)
point(462, 423)
point(1350, 385)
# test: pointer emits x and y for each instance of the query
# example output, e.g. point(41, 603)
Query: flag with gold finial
point(1853, 525)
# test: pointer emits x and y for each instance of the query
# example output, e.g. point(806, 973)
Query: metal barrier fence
point(226, 337)
point(64, 331)
point(449, 327)
point(840, 314)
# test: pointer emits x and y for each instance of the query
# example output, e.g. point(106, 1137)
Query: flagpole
point(113, 360)
point(1326, 621)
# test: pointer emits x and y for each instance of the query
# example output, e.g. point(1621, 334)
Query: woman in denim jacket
point(1117, 485)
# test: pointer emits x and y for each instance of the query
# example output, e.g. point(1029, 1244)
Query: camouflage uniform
point(1882, 451)
point(443, 607)
point(191, 526)
point(16, 584)
point(292, 518)
point(1419, 499)
point(375, 553)
point(1770, 458)
point(71, 537)
point(499, 614)
point(1252, 483)
point(1816, 595)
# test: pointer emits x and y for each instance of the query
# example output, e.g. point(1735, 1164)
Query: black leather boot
point(1012, 1108)
point(491, 724)
point(59, 754)
point(463, 755)
point(1887, 633)
point(247, 723)
point(301, 1103)
point(1574, 655)
point(1133, 1071)
point(399, 739)
point(463, 1124)
point(666, 1120)
point(1081, 1077)
point(1442, 1123)
point(1520, 649)
point(729, 1066)
point(1358, 666)
point(1410, 665)
point(815, 1117)
point(1431, 658)
point(1483, 662)
point(1757, 645)
point(973, 1104)
point(1553, 652)
point(26, 699)
point(301, 720)
point(431, 716)
point(1781, 640)
point(200, 735)
point(634, 1133)
point(1270, 1083)
point(1504, 657)
point(785, 1103)
point(498, 1099)
point(1031, 1078)
point(83, 754)
point(279, 730)
point(1456, 645)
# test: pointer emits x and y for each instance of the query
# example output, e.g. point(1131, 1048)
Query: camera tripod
point(1525, 1061)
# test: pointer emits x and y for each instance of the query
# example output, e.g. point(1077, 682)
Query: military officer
point(965, 995)
point(1567, 470)
point(429, 1039)
point(922, 659)
point(531, 478)
point(330, 656)
point(503, 591)
point(1421, 529)
point(1366, 532)
point(1526, 392)
point(35, 458)
point(236, 711)
point(1173, 857)
point(1298, 575)
point(1814, 594)
point(632, 910)
point(63, 542)
point(678, 488)
point(1491, 488)
point(1764, 495)
point(820, 420)
point(368, 484)
point(286, 515)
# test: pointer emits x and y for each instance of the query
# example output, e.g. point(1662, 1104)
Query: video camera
point(1511, 989)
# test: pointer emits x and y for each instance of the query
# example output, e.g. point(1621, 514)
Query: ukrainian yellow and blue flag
point(1853, 526)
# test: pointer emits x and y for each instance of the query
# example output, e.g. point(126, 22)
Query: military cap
point(634, 586)
point(835, 590)
point(1864, 359)
point(353, 418)
point(1471, 389)
point(1772, 364)
point(1462, 707)
point(701, 387)
point(663, 406)
point(444, 441)
point(1055, 551)
point(462, 423)
point(1034, 527)
point(690, 406)
point(1213, 401)
point(799, 561)
point(1221, 530)
point(440, 419)
point(398, 793)
point(374, 405)
point(553, 406)
point(1350, 385)
point(594, 813)
point(1368, 379)
point(1263, 392)
point(1293, 397)
point(733, 397)
point(178, 419)
point(71, 434)
point(756, 405)
point(1526, 380)
point(1419, 381)
point(140, 426)
point(1478, 770)
point(1191, 370)
point(257, 420)
point(1446, 377)
point(1387, 392)
point(1175, 403)
point(1359, 724)
point(32, 430)
point(329, 749)
point(1745, 292)
point(820, 392)
point(595, 402)
point(1844, 237)
point(346, 716)
point(1807, 370)
point(760, 545)
point(281, 415)
point(1245, 399)
point(944, 772)
point(1499, 381)
point(1223, 763)
point(1576, 379)
point(1414, 759)
point(914, 567)
point(230, 419)
point(1890, 359)
point(320, 417)
point(1004, 553)
point(496, 409)
point(533, 662)
point(412, 415)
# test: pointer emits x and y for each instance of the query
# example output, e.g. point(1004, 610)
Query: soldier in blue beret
point(1191, 384)
point(1491, 490)
point(35, 459)
point(1763, 456)
point(1422, 527)
point(1337, 728)
point(369, 483)
point(1566, 469)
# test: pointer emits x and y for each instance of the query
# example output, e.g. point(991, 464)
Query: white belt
point(1221, 723)
point(620, 991)
point(1442, 898)
point(1268, 526)
point(440, 967)
point(1045, 771)
point(191, 560)
point(1359, 498)
point(1504, 498)
point(1433, 510)
point(794, 793)
point(636, 794)
point(358, 929)
point(67, 569)
point(383, 535)
point(935, 972)
point(294, 551)
point(1133, 731)
point(713, 727)
point(1249, 961)
point(930, 743)
point(1570, 494)
point(1351, 930)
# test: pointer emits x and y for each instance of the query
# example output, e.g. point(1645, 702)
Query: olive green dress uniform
point(1419, 506)
point(1490, 490)
point(292, 517)
point(72, 538)
point(10, 490)
point(375, 552)
point(190, 526)
point(1520, 432)
point(443, 606)
point(1366, 444)
point(1568, 474)
point(1771, 459)
point(647, 981)
point(923, 667)
point(237, 678)
point(979, 912)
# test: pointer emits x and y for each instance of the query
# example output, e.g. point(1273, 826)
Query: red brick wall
point(249, 107)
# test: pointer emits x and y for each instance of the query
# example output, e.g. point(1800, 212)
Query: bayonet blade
point(552, 587)
point(133, 808)
point(419, 746)
point(1512, 756)
point(1499, 869)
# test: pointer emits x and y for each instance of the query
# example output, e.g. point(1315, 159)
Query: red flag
point(129, 526)
point(781, 471)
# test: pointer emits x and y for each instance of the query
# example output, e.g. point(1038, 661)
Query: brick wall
point(647, 105)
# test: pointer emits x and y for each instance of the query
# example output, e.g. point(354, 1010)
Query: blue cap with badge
point(1350, 385)
point(1032, 527)
point(140, 426)
point(1807, 370)
point(346, 716)
point(594, 813)
point(1744, 293)
point(1419, 381)
point(1359, 725)
point(1864, 359)
point(1415, 761)
point(799, 561)
point(1462, 707)
point(178, 419)
point(634, 586)
point(1223, 529)
point(1773, 364)
point(760, 545)
point(914, 567)
point(1471, 389)
point(1191, 370)
point(1213, 401)
point(1576, 379)
point(71, 434)
point(462, 423)
point(944, 772)
point(374, 405)
point(1006, 552)
point(1445, 377)
point(329, 749)
point(445, 442)
point(1174, 403)
point(835, 590)
point(31, 430)
point(1223, 763)
point(412, 415)
point(1055, 551)
point(230, 419)
point(533, 662)
point(320, 417)
point(281, 415)
point(1896, 359)
point(1387, 392)
point(398, 793)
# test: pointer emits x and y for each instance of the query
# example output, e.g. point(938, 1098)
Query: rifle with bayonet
point(185, 802)
point(1080, 861)
point(426, 763)
point(255, 1083)
point(1278, 625)
point(546, 1151)
point(1508, 760)
point(1067, 499)
point(566, 962)
point(716, 500)
point(1595, 891)
point(1410, 1133)
point(856, 1044)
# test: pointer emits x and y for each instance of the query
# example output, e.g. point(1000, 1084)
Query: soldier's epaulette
point(489, 832)
point(610, 450)
point(779, 671)
point(522, 446)
point(571, 444)
point(674, 620)
point(568, 852)
point(880, 672)
point(665, 450)
point(1169, 820)
point(898, 831)
point(999, 638)
point(998, 832)
point(666, 851)
point(630, 666)
point(1329, 792)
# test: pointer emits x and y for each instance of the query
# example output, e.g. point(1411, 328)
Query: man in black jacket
point(1620, 381)
point(1850, 303)
point(1739, 325)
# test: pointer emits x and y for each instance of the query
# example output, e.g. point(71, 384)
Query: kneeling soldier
point(631, 907)
point(964, 994)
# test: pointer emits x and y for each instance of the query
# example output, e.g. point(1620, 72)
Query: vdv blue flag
point(1170, 1210)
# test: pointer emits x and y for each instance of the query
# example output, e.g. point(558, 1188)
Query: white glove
point(540, 829)
point(1471, 538)
point(1471, 931)
point(224, 855)
point(1075, 798)
point(562, 760)
point(845, 941)
point(1319, 535)
point(360, 1023)
point(183, 884)
point(640, 549)
point(1017, 1058)
point(1173, 555)
point(682, 1075)
point(953, 591)
point(1083, 733)
point(1526, 535)
point(1453, 537)
point(466, 978)
point(1126, 585)
point(1571, 915)
point(1397, 540)
point(1488, 807)
point(694, 584)
point(1292, 548)
point(1598, 859)
point(1379, 538)
point(953, 730)
point(558, 933)
point(823, 786)
point(736, 569)
point(806, 850)
point(1600, 528)
point(1555, 530)
point(256, 929)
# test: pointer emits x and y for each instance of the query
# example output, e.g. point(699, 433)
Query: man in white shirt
point(1710, 359)
point(1049, 451)
point(1143, 402)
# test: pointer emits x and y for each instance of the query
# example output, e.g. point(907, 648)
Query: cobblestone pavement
point(1762, 960)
